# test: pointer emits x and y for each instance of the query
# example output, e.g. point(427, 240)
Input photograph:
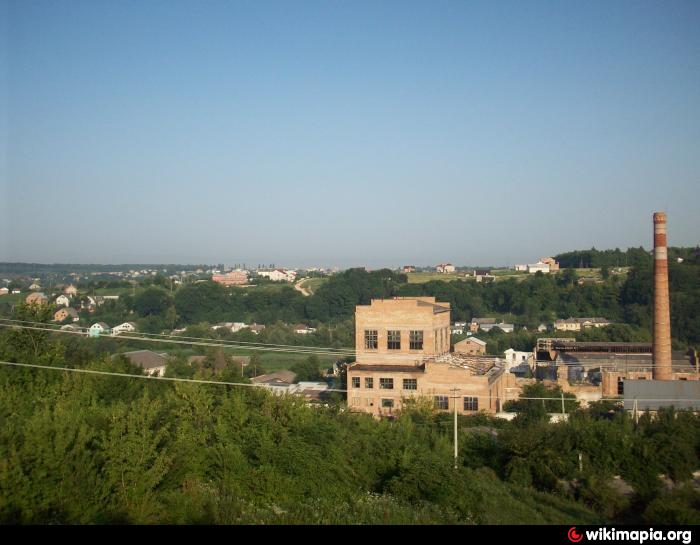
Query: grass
point(422, 277)
point(312, 284)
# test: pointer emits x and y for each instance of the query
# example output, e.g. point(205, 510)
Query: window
point(620, 387)
point(394, 340)
point(415, 340)
point(471, 403)
point(386, 383)
point(441, 402)
point(355, 382)
point(371, 339)
point(369, 382)
point(410, 384)
point(387, 403)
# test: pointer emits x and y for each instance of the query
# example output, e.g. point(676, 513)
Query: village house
point(402, 348)
point(257, 328)
point(126, 327)
point(408, 269)
point(4, 291)
point(302, 329)
point(62, 301)
point(35, 287)
point(553, 265)
point(577, 324)
point(471, 346)
point(477, 323)
point(153, 364)
point(65, 312)
point(538, 267)
point(71, 291)
point(515, 358)
point(279, 275)
point(445, 268)
point(98, 329)
point(37, 298)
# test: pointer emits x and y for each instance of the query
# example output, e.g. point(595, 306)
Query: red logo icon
point(574, 536)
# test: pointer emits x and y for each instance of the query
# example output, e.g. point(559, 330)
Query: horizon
point(345, 133)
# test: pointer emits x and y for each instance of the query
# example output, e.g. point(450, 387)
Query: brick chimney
point(662, 312)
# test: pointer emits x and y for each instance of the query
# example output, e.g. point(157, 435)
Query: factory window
point(355, 382)
point(415, 339)
point(441, 402)
point(369, 382)
point(620, 387)
point(387, 403)
point(386, 383)
point(410, 384)
point(394, 340)
point(371, 342)
point(471, 403)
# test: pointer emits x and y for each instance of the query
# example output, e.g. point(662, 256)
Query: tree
point(308, 370)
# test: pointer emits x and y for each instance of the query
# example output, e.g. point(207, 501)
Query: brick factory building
point(403, 351)
point(233, 278)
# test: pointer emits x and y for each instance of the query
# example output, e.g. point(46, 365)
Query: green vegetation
point(421, 277)
point(77, 448)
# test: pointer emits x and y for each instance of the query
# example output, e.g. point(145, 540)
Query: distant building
point(408, 269)
point(257, 328)
point(153, 364)
point(126, 327)
point(37, 298)
point(506, 328)
point(553, 265)
point(538, 267)
point(98, 329)
point(233, 278)
point(471, 346)
point(34, 287)
point(279, 275)
point(65, 312)
point(302, 329)
point(577, 324)
point(521, 268)
point(445, 268)
point(4, 291)
point(515, 358)
point(71, 291)
point(483, 275)
point(479, 323)
point(62, 301)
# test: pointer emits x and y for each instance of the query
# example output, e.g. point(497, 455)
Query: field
point(422, 277)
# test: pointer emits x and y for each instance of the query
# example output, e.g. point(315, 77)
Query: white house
point(4, 291)
point(71, 291)
point(445, 268)
point(98, 329)
point(514, 358)
point(302, 329)
point(62, 301)
point(279, 275)
point(521, 268)
point(126, 327)
point(538, 267)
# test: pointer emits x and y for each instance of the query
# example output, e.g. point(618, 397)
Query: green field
point(422, 277)
point(312, 284)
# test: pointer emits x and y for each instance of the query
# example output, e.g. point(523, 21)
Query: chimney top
point(659, 217)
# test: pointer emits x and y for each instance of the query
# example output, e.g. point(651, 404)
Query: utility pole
point(454, 392)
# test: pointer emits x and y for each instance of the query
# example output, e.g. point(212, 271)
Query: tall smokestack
point(662, 312)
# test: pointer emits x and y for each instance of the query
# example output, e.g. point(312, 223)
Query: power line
point(330, 350)
point(176, 341)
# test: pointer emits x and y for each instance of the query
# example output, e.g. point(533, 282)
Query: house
point(126, 327)
point(62, 301)
point(35, 287)
point(445, 268)
point(538, 267)
point(577, 324)
point(15, 292)
point(470, 345)
point(4, 291)
point(553, 265)
point(233, 278)
point(153, 364)
point(37, 298)
point(457, 330)
point(515, 358)
point(521, 268)
point(483, 275)
point(302, 329)
point(71, 327)
point(408, 269)
point(71, 291)
point(257, 329)
point(65, 312)
point(98, 329)
point(402, 347)
point(541, 328)
point(279, 275)
point(506, 328)
point(279, 382)
point(477, 323)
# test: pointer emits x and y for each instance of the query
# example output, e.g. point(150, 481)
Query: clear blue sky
point(345, 133)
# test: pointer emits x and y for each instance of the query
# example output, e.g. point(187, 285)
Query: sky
point(345, 133)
